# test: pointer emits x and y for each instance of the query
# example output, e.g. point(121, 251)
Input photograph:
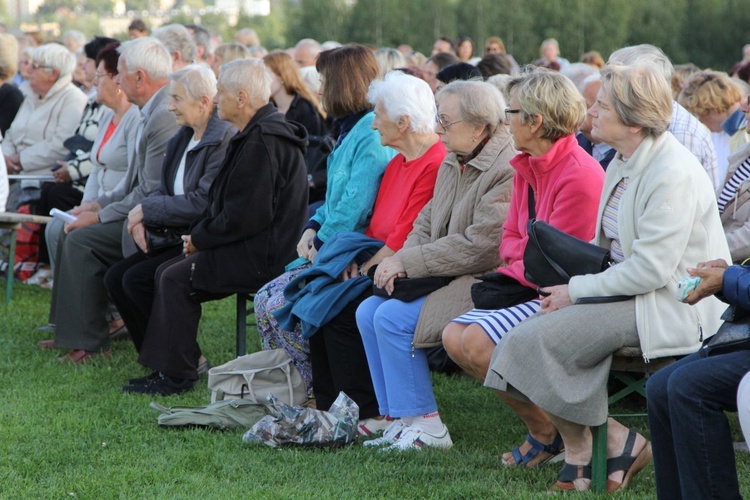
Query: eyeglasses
point(37, 65)
point(444, 125)
point(101, 75)
point(510, 111)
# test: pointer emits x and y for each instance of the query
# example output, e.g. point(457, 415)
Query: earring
point(119, 91)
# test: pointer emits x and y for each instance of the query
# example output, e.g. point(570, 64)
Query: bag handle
point(249, 379)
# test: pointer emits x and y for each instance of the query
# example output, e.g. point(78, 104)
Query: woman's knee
point(452, 341)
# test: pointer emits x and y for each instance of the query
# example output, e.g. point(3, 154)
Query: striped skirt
point(496, 323)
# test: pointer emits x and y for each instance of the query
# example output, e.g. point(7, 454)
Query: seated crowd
point(329, 180)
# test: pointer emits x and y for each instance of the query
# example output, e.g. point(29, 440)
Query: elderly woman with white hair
point(405, 119)
point(455, 237)
point(658, 217)
point(49, 115)
point(227, 251)
point(192, 161)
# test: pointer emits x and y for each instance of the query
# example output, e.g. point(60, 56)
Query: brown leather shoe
point(46, 344)
point(79, 356)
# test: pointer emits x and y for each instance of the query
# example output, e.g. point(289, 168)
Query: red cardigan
point(406, 188)
point(567, 184)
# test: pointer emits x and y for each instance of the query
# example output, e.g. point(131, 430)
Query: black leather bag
point(498, 291)
point(163, 238)
point(732, 335)
point(408, 289)
point(551, 256)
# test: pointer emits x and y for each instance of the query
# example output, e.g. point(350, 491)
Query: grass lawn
point(68, 432)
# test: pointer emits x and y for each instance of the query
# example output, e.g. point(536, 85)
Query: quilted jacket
point(458, 232)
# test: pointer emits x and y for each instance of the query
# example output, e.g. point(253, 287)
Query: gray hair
point(480, 103)
point(308, 42)
point(231, 51)
point(578, 72)
point(76, 36)
point(247, 37)
point(56, 57)
point(404, 95)
point(176, 38)
point(201, 38)
point(148, 55)
point(638, 55)
point(640, 97)
point(389, 59)
point(199, 80)
point(249, 75)
point(501, 83)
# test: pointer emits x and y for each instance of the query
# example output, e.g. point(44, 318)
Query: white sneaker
point(414, 438)
point(371, 426)
point(390, 434)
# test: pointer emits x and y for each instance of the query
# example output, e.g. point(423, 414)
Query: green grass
point(68, 432)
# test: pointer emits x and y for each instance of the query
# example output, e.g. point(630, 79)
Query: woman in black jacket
point(257, 207)
point(192, 162)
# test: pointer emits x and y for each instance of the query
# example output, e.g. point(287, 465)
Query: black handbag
point(408, 289)
point(732, 335)
point(498, 291)
point(163, 238)
point(551, 256)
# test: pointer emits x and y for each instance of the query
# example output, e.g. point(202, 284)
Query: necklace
point(421, 148)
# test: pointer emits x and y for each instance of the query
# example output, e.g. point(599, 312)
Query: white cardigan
point(41, 125)
point(668, 221)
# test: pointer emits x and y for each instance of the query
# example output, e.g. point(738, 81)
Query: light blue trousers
point(400, 373)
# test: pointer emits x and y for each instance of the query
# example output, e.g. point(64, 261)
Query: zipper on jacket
point(412, 349)
point(192, 271)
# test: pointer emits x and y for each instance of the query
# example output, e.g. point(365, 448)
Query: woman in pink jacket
point(544, 114)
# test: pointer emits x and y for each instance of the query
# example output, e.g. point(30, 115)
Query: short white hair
point(148, 55)
point(176, 38)
point(198, 79)
point(404, 95)
point(249, 75)
point(309, 42)
point(640, 55)
point(56, 57)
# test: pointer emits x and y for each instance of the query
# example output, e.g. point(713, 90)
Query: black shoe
point(143, 380)
point(161, 386)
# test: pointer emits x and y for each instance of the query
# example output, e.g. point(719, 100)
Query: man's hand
point(135, 217)
point(86, 206)
point(13, 164)
point(187, 245)
point(712, 280)
point(84, 219)
point(139, 236)
point(62, 174)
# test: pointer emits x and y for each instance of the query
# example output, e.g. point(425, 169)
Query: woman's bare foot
point(547, 444)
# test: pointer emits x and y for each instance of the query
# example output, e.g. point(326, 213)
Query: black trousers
point(339, 363)
point(62, 196)
point(171, 345)
point(130, 284)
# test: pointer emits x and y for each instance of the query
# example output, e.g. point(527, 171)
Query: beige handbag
point(255, 376)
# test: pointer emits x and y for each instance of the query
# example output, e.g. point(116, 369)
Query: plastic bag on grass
point(296, 425)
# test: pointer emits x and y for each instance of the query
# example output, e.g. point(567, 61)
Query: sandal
point(568, 475)
point(625, 462)
point(554, 450)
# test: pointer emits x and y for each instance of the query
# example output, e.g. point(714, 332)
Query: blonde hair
point(8, 56)
point(640, 96)
point(554, 97)
point(287, 70)
point(229, 52)
point(707, 91)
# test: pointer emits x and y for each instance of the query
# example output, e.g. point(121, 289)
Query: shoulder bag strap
point(532, 204)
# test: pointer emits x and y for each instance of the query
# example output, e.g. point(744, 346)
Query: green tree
point(319, 19)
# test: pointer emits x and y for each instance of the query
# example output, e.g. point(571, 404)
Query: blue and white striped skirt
point(497, 323)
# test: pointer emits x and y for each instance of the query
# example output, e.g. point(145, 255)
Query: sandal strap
point(626, 460)
point(570, 472)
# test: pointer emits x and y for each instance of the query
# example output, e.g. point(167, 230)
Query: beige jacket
point(736, 216)
point(458, 232)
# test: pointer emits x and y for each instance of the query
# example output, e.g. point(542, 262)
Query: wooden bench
point(12, 222)
point(245, 316)
point(629, 367)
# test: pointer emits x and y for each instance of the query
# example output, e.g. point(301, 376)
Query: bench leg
point(11, 264)
point(599, 458)
point(241, 324)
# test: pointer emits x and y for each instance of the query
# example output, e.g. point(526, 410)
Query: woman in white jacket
point(658, 217)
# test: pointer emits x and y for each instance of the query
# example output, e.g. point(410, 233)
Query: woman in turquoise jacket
point(355, 169)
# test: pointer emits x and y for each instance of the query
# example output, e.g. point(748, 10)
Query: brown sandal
point(632, 465)
point(567, 476)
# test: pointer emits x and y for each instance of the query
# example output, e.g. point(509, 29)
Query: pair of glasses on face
point(37, 65)
point(510, 111)
point(443, 124)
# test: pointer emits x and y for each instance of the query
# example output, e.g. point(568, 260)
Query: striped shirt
point(733, 184)
point(609, 220)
